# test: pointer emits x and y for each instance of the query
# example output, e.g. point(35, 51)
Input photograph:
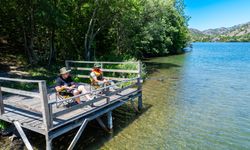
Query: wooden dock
point(37, 110)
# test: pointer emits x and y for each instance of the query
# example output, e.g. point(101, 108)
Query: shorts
point(67, 92)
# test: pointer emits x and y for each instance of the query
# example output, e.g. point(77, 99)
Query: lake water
point(199, 100)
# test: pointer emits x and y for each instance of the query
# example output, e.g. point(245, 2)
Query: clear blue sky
point(207, 14)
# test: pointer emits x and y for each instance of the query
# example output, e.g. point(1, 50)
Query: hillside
point(237, 33)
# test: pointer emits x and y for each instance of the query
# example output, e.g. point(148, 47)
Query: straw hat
point(63, 70)
point(97, 65)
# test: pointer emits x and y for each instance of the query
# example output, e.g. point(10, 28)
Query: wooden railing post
point(108, 100)
point(102, 68)
point(139, 69)
point(67, 64)
point(139, 84)
point(1, 103)
point(48, 122)
point(101, 65)
point(139, 79)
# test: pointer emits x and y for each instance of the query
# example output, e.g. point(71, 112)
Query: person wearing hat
point(66, 86)
point(96, 76)
point(97, 79)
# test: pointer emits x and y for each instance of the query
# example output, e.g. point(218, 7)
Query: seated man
point(65, 85)
point(97, 79)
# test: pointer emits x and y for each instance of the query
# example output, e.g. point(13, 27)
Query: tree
point(50, 31)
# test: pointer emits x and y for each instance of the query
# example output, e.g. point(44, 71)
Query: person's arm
point(60, 88)
point(64, 87)
point(104, 79)
point(95, 78)
point(72, 86)
point(59, 85)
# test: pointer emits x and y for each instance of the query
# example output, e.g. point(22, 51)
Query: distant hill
point(237, 33)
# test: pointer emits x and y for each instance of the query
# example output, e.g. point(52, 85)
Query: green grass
point(3, 125)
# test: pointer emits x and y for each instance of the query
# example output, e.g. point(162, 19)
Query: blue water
point(214, 98)
point(202, 101)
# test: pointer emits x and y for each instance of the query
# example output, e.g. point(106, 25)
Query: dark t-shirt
point(68, 82)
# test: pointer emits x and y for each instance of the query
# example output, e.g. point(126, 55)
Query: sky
point(207, 14)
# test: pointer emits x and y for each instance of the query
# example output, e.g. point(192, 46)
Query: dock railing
point(70, 64)
point(132, 83)
point(129, 83)
point(47, 112)
point(46, 109)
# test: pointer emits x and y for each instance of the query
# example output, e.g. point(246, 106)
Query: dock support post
point(48, 143)
point(78, 134)
point(110, 120)
point(23, 136)
point(133, 105)
point(139, 84)
point(99, 120)
point(1, 103)
point(140, 102)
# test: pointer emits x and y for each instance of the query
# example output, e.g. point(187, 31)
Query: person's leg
point(114, 86)
point(83, 90)
point(76, 92)
point(101, 84)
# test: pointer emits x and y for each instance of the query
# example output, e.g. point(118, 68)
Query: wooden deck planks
point(25, 121)
point(33, 121)
point(22, 102)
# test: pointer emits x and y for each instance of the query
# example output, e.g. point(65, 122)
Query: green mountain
point(237, 33)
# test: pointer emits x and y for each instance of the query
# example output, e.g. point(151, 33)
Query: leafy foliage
point(50, 31)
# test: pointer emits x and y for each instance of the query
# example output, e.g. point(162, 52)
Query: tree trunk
point(52, 55)
point(87, 43)
point(90, 34)
point(27, 51)
point(31, 39)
